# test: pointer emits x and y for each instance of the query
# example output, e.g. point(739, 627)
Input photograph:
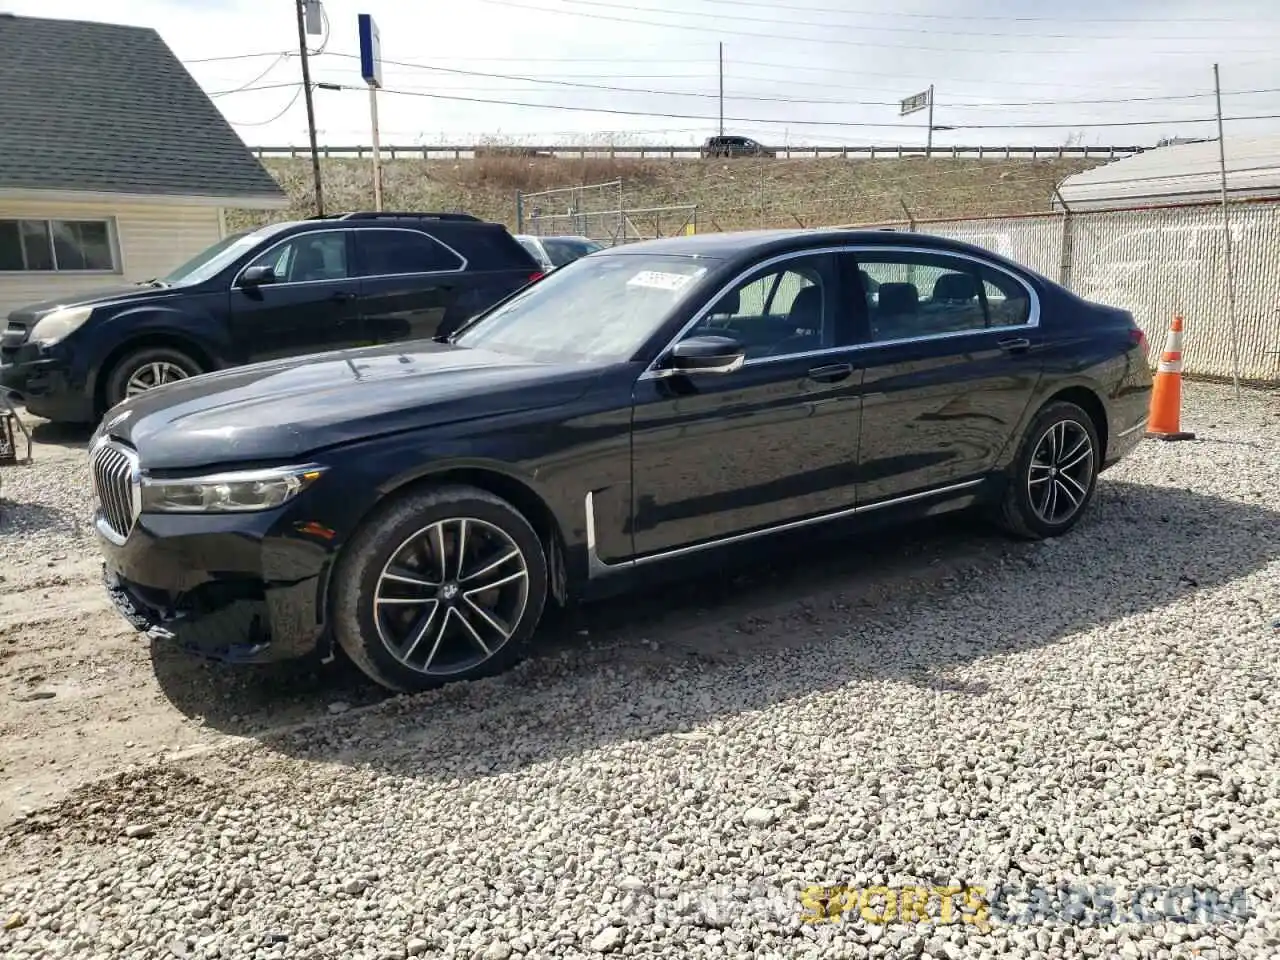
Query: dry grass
point(730, 194)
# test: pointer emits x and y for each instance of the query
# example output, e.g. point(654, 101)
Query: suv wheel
point(1054, 474)
point(443, 585)
point(146, 369)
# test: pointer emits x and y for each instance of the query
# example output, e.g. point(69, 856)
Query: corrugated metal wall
point(1156, 263)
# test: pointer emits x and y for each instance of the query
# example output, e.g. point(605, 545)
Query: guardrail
point(673, 152)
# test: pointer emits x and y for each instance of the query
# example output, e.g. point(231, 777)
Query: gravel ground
point(942, 709)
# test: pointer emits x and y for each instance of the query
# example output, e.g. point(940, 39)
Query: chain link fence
point(1158, 262)
point(597, 212)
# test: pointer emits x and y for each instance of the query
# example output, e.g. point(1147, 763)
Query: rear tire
point(146, 369)
point(1054, 475)
point(439, 586)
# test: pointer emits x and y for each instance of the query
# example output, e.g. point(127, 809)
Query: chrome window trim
point(235, 282)
point(596, 567)
point(651, 372)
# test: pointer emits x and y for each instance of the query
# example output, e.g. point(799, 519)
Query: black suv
point(734, 147)
point(284, 290)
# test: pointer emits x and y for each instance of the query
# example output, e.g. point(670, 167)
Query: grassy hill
point(730, 194)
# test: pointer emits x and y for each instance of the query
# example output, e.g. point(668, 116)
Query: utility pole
point(1226, 236)
point(928, 149)
point(722, 88)
point(311, 111)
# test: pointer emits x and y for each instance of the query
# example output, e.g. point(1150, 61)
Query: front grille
point(114, 484)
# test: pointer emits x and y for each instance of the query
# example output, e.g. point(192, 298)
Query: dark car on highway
point(283, 290)
point(735, 147)
point(652, 408)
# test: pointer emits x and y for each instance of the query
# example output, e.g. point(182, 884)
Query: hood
point(285, 409)
point(90, 298)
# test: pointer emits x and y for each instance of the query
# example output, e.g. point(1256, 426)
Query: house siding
point(151, 240)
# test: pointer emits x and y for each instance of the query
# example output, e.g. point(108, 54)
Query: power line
point(745, 97)
point(818, 123)
point(239, 56)
point(245, 86)
point(791, 68)
point(771, 5)
point(247, 89)
point(262, 123)
point(950, 104)
point(775, 37)
point(927, 77)
point(1005, 105)
point(866, 27)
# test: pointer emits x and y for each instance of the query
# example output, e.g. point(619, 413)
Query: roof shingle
point(108, 108)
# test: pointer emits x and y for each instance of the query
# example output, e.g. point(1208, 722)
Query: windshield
point(561, 250)
point(212, 260)
point(597, 310)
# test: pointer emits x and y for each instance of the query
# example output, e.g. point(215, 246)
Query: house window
point(63, 246)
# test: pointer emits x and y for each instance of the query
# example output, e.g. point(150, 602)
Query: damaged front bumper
point(237, 595)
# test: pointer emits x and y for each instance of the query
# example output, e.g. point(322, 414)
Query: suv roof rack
point(399, 215)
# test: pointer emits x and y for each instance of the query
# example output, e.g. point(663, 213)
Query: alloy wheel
point(152, 375)
point(1060, 472)
point(451, 596)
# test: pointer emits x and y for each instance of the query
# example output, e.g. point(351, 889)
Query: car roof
point(388, 220)
point(752, 244)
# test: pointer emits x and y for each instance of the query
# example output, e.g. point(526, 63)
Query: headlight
point(52, 327)
point(239, 492)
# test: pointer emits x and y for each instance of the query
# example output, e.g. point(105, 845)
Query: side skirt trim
point(597, 567)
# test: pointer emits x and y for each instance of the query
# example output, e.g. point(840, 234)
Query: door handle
point(1015, 345)
point(831, 372)
point(342, 296)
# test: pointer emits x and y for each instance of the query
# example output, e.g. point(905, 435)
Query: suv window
point(391, 252)
point(922, 294)
point(308, 258)
point(783, 310)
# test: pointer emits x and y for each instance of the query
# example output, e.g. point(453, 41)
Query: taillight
point(535, 277)
point(1138, 337)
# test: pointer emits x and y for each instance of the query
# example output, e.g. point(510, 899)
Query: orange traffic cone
point(1164, 420)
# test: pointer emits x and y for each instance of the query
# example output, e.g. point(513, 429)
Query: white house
point(114, 164)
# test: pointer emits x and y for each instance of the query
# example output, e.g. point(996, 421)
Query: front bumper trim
point(233, 634)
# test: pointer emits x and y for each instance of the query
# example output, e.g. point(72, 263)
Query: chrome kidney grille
point(115, 485)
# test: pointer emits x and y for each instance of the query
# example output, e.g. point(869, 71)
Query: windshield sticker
point(658, 280)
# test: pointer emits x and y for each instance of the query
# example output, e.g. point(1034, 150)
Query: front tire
point(439, 586)
point(146, 369)
point(1054, 474)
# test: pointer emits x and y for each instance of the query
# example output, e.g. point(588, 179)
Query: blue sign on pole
point(370, 51)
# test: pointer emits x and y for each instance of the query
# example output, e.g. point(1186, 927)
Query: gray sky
point(796, 71)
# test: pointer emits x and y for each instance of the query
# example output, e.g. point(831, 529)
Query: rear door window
point(921, 294)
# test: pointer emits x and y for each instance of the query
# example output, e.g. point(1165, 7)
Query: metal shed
point(1178, 174)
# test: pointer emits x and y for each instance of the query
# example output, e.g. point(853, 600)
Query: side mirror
point(256, 276)
point(707, 355)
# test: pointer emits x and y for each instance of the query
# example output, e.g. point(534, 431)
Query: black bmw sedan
point(655, 406)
